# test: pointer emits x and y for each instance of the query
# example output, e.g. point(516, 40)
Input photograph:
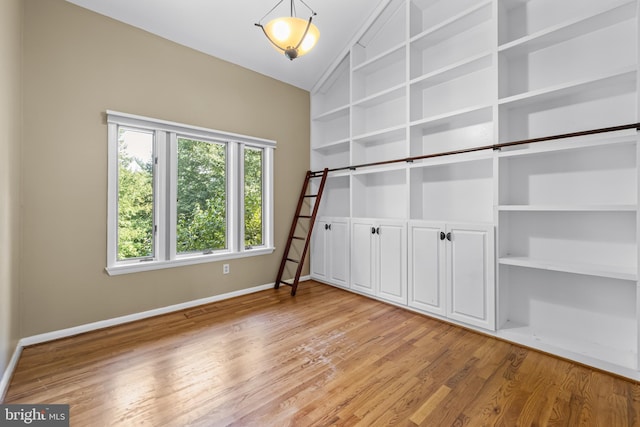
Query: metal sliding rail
point(490, 147)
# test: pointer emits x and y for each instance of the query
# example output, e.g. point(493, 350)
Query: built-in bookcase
point(559, 70)
point(432, 76)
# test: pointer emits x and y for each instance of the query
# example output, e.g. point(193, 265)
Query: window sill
point(137, 267)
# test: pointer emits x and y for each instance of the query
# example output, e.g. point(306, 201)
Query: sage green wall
point(77, 64)
point(10, 125)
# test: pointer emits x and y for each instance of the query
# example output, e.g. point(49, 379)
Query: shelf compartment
point(335, 197)
point(593, 178)
point(334, 92)
point(382, 111)
point(570, 107)
point(621, 273)
point(330, 115)
point(562, 32)
point(458, 192)
point(588, 57)
point(330, 128)
point(427, 15)
point(625, 137)
point(380, 194)
point(385, 33)
point(522, 21)
point(335, 155)
point(379, 75)
point(377, 147)
point(465, 128)
point(455, 70)
point(582, 316)
point(452, 42)
point(568, 208)
point(429, 98)
point(604, 239)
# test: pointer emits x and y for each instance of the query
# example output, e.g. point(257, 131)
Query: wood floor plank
point(325, 357)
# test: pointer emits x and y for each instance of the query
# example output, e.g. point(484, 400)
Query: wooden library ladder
point(311, 219)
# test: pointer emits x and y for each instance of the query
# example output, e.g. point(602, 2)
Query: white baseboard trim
point(8, 373)
point(64, 333)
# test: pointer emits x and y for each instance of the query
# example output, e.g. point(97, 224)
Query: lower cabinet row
point(446, 269)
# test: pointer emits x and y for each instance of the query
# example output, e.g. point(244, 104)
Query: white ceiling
point(226, 30)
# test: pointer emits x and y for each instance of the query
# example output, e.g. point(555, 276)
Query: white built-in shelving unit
point(548, 230)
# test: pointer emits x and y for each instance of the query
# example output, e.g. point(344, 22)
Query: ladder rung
point(293, 260)
point(298, 238)
point(304, 216)
point(286, 283)
point(311, 195)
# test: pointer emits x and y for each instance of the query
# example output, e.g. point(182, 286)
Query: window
point(181, 195)
point(135, 194)
point(253, 205)
point(202, 196)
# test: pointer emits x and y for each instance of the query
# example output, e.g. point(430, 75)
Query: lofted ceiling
point(226, 30)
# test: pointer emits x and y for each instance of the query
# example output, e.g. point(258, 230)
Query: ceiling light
point(291, 35)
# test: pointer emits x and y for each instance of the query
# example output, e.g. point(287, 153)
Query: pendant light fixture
point(291, 35)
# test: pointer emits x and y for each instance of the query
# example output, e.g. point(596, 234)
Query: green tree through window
point(135, 194)
point(253, 197)
point(202, 196)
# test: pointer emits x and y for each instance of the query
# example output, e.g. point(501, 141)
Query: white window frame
point(166, 134)
point(266, 185)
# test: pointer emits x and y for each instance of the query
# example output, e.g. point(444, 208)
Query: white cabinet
point(451, 271)
point(470, 274)
point(427, 267)
point(330, 251)
point(424, 77)
point(378, 258)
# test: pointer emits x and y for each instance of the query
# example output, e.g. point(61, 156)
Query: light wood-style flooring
point(325, 357)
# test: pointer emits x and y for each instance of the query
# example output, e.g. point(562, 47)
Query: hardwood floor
point(324, 357)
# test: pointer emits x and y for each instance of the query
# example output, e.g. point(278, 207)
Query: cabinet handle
point(449, 236)
point(378, 230)
point(326, 226)
point(329, 225)
point(373, 230)
point(442, 235)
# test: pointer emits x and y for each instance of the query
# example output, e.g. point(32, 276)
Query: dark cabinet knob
point(449, 236)
point(373, 230)
point(378, 230)
point(329, 226)
point(326, 226)
point(442, 235)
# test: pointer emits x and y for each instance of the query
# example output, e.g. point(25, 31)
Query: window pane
point(135, 194)
point(253, 197)
point(202, 196)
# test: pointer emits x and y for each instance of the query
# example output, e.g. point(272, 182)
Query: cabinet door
point(338, 253)
point(319, 265)
point(362, 251)
point(470, 275)
point(392, 261)
point(427, 276)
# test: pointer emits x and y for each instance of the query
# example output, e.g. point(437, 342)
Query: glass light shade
point(287, 32)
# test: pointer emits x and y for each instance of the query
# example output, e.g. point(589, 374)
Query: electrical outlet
point(225, 268)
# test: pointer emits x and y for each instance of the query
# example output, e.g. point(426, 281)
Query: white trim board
point(8, 373)
point(76, 330)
